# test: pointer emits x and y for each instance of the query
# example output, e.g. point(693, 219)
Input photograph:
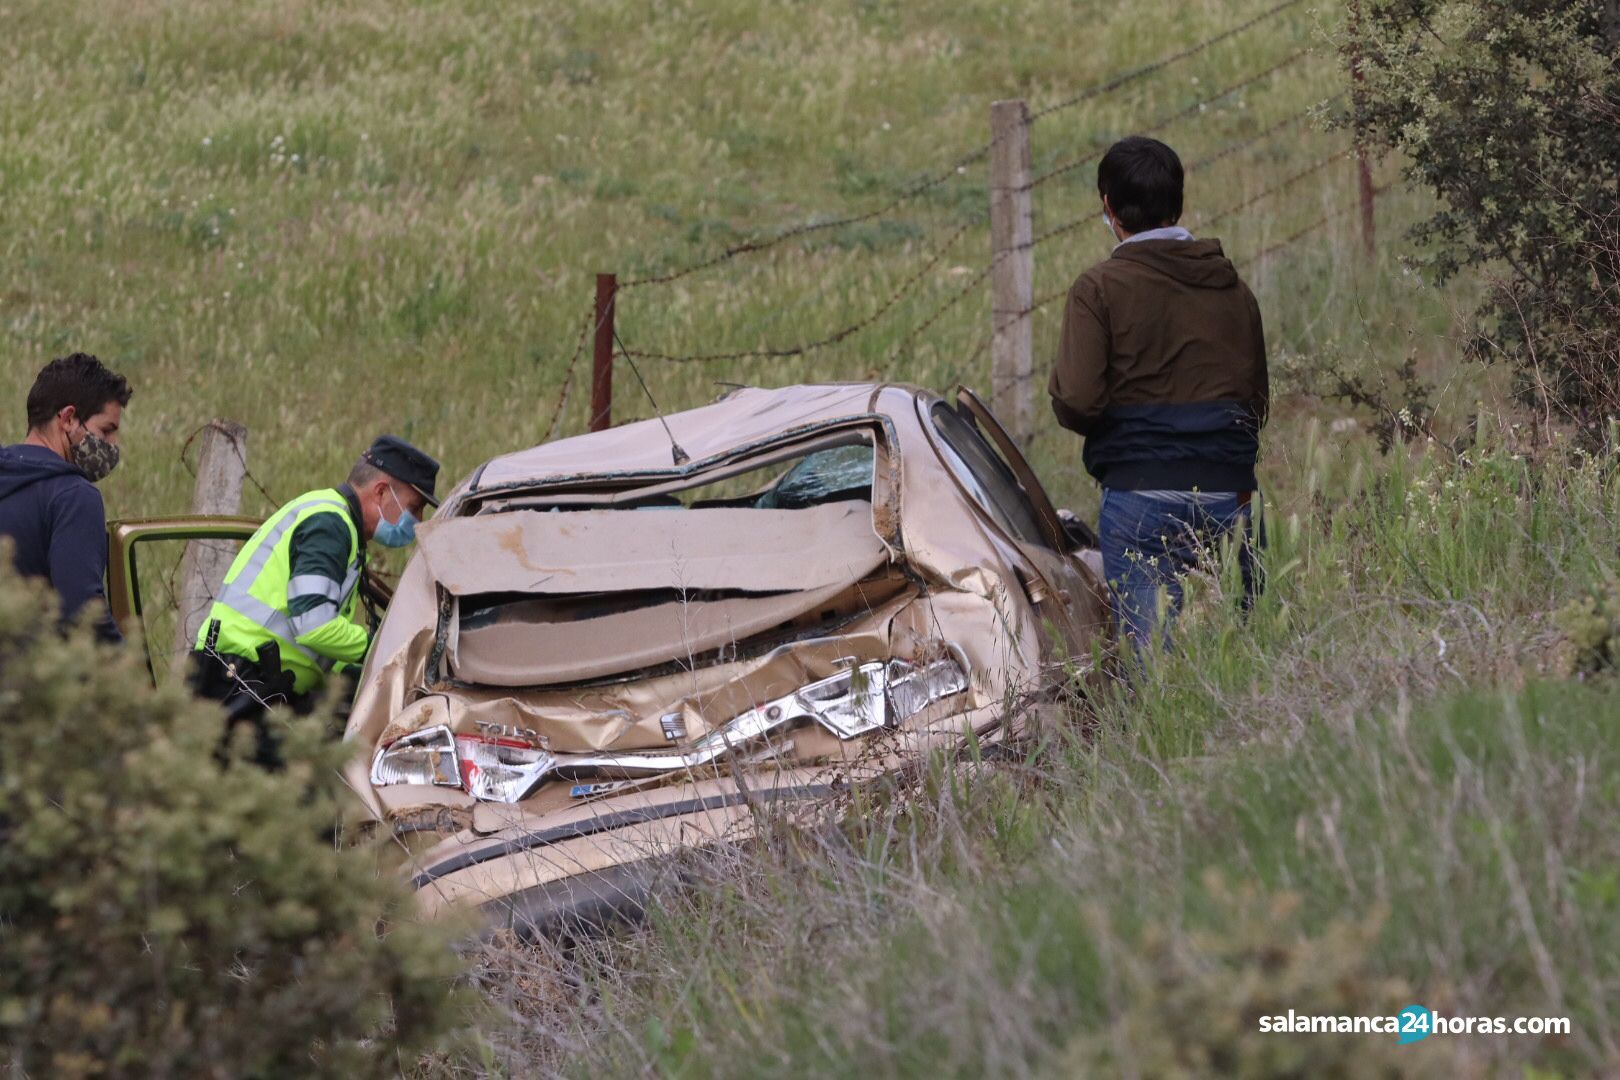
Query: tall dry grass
point(1387, 786)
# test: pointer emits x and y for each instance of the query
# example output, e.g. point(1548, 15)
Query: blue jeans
point(1150, 539)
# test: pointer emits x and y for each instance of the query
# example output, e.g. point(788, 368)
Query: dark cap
point(406, 463)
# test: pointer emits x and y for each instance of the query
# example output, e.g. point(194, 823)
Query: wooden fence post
point(221, 467)
point(607, 290)
point(1012, 271)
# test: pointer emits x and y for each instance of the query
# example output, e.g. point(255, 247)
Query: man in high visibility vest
point(284, 619)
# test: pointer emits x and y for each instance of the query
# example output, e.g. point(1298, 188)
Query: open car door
point(162, 542)
point(166, 540)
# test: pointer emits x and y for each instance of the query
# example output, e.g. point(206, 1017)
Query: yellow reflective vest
point(261, 591)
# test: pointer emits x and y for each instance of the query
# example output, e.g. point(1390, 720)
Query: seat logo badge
point(512, 731)
point(674, 725)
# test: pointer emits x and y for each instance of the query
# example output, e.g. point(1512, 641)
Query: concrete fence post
point(221, 468)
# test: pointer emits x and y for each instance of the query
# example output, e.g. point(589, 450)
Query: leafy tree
point(162, 913)
point(1509, 111)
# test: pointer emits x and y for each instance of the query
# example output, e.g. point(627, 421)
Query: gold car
point(613, 647)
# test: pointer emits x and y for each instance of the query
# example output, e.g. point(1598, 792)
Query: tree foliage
point(1509, 111)
point(162, 913)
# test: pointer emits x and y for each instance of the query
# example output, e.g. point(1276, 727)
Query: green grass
point(1381, 788)
point(326, 220)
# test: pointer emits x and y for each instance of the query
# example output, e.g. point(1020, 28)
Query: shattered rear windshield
point(844, 472)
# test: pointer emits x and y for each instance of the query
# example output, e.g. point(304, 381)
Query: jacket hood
point(1199, 263)
point(23, 464)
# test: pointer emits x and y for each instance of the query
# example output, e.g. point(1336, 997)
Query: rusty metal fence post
point(607, 289)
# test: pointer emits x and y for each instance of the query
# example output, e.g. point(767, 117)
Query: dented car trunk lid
point(586, 593)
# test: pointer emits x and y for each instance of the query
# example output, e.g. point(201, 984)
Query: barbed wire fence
point(911, 308)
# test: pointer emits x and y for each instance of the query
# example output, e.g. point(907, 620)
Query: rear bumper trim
point(591, 826)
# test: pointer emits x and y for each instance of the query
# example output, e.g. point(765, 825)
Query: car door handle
point(1034, 587)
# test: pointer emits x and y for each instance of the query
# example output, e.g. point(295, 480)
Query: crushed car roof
point(738, 419)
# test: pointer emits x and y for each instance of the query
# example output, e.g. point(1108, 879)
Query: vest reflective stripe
point(314, 618)
point(267, 546)
point(314, 585)
point(250, 606)
point(350, 580)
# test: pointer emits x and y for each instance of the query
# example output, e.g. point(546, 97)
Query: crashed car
point(617, 646)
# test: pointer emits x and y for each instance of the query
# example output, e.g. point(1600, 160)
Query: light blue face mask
point(396, 534)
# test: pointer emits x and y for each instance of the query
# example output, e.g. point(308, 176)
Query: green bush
point(1509, 111)
point(1592, 625)
point(167, 915)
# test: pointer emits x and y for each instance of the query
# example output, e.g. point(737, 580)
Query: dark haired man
point(49, 505)
point(1162, 367)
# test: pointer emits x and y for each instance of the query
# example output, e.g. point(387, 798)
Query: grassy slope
point(328, 219)
point(1381, 789)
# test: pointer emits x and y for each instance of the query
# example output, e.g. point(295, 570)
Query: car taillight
point(912, 689)
point(422, 757)
point(488, 768)
point(501, 770)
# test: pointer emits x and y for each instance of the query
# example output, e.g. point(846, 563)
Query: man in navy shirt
point(49, 506)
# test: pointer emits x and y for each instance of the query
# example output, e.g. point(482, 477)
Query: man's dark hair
point(1143, 180)
point(79, 380)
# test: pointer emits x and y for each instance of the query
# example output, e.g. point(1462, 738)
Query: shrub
point(1592, 626)
point(1191, 1004)
point(168, 915)
point(1509, 111)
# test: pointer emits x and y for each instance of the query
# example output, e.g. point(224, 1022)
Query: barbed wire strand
point(832, 339)
point(956, 167)
point(568, 377)
point(1168, 119)
point(1045, 299)
point(1262, 135)
point(185, 449)
point(1277, 188)
point(815, 226)
point(1299, 234)
point(978, 278)
point(1050, 234)
point(1160, 64)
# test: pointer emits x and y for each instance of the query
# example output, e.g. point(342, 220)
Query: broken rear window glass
point(844, 472)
